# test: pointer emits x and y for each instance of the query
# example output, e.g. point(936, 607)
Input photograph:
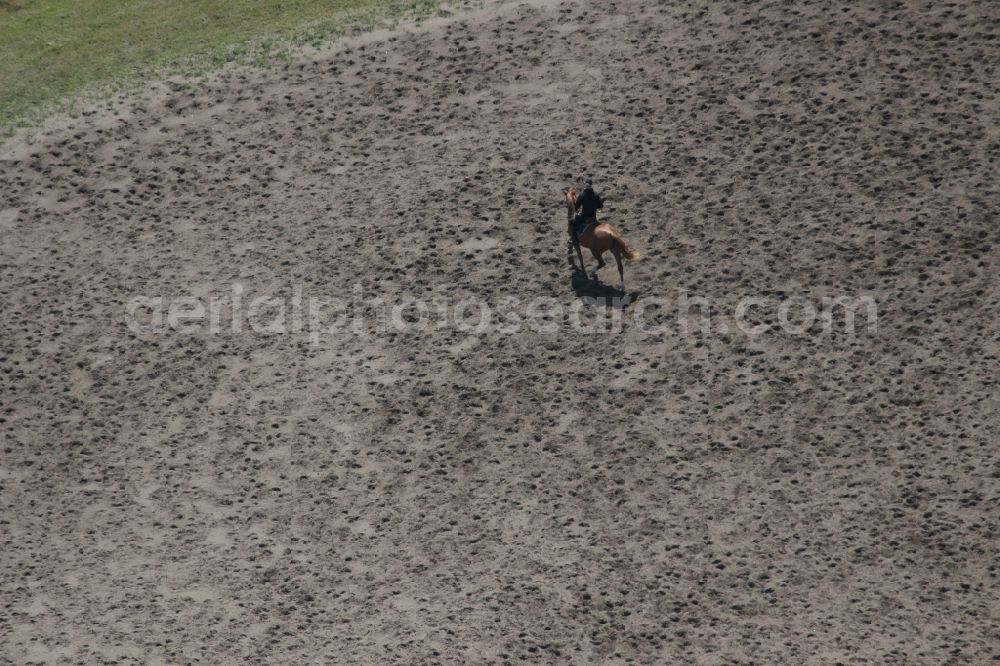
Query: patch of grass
point(54, 50)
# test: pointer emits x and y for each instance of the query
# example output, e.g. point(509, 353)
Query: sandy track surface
point(542, 496)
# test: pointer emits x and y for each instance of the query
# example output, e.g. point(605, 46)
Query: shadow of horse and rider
point(598, 237)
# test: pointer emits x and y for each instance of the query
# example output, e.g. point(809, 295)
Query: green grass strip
point(52, 52)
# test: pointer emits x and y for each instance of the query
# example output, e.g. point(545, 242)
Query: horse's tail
point(627, 252)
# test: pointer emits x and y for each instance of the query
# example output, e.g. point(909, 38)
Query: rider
point(587, 204)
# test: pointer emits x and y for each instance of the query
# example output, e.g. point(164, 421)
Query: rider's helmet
point(588, 184)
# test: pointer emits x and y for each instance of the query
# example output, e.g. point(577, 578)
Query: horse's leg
point(574, 240)
point(579, 253)
point(598, 254)
point(615, 250)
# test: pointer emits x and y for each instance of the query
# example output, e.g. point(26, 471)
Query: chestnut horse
point(599, 238)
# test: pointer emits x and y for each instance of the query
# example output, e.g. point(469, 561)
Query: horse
point(598, 238)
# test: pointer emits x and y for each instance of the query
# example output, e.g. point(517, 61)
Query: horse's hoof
point(621, 286)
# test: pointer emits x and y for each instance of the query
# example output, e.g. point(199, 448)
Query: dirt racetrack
point(540, 495)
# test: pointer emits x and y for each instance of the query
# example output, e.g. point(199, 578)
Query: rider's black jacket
point(589, 203)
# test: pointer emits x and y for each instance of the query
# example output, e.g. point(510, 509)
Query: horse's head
point(571, 200)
